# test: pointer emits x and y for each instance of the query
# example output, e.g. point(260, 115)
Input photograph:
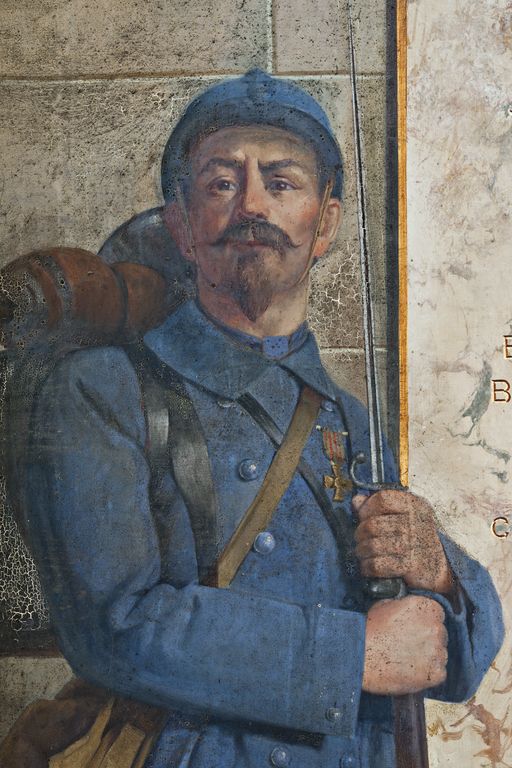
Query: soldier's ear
point(328, 227)
point(176, 221)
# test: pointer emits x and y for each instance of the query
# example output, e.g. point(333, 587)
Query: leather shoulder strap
point(176, 440)
point(278, 478)
point(341, 526)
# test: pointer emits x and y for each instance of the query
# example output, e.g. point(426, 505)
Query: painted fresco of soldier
point(248, 643)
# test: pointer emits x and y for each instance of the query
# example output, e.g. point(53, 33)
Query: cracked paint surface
point(460, 188)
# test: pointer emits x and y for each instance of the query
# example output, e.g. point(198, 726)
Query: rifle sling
point(341, 527)
point(278, 478)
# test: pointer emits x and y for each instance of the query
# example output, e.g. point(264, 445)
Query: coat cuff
point(337, 674)
point(475, 625)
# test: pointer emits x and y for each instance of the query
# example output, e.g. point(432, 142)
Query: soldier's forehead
point(263, 140)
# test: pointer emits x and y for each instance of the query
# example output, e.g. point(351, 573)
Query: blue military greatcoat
point(267, 672)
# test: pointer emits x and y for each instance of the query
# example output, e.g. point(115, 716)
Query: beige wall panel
point(311, 35)
point(80, 158)
point(73, 38)
point(459, 197)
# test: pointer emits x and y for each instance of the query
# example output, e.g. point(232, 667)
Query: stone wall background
point(460, 234)
point(89, 92)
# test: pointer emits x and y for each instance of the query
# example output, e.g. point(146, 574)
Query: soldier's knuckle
point(370, 507)
point(422, 604)
point(373, 526)
point(361, 551)
point(398, 526)
point(434, 610)
point(361, 532)
point(383, 499)
point(399, 545)
point(386, 565)
point(396, 502)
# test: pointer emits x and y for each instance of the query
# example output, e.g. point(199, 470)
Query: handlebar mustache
point(261, 231)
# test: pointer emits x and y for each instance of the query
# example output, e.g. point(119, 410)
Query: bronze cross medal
point(333, 448)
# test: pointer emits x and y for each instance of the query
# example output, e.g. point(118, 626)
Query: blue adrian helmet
point(255, 98)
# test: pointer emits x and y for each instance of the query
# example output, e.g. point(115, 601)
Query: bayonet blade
point(372, 385)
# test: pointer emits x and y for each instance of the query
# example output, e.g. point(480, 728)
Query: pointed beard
point(252, 286)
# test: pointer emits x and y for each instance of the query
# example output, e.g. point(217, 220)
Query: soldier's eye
point(280, 185)
point(222, 185)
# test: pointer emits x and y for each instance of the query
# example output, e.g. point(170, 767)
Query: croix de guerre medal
point(333, 447)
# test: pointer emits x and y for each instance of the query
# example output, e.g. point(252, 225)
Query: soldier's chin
point(254, 303)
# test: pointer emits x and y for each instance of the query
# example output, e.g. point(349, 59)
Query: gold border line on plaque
point(401, 91)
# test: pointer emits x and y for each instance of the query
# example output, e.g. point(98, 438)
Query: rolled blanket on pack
point(71, 293)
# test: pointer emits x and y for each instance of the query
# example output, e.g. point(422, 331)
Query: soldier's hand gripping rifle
point(409, 712)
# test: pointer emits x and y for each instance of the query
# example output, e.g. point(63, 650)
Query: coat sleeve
point(197, 649)
point(475, 625)
point(473, 617)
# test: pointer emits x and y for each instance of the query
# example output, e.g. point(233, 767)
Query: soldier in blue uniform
point(287, 666)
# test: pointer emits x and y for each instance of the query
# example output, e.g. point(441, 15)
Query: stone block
point(346, 367)
point(82, 157)
point(75, 38)
point(312, 36)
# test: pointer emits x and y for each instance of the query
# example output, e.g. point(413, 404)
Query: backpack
point(53, 301)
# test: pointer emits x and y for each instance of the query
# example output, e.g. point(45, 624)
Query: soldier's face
point(253, 207)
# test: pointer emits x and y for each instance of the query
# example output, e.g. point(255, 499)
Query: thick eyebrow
point(223, 162)
point(277, 165)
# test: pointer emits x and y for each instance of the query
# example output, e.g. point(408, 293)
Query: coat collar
point(197, 349)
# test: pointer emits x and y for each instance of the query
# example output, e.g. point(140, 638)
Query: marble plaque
point(459, 143)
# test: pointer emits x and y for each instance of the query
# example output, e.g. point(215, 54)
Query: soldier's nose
point(253, 195)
